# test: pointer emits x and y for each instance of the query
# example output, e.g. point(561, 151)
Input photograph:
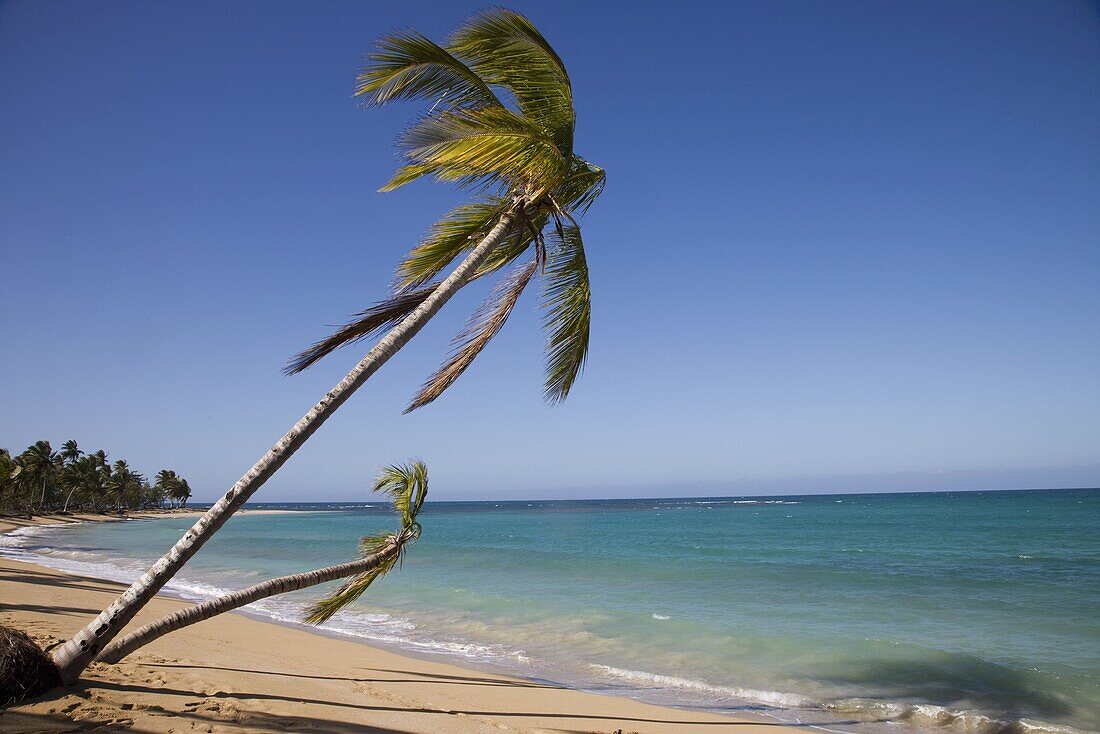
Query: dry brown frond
point(483, 326)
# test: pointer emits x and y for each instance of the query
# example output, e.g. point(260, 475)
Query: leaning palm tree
point(406, 484)
point(518, 156)
point(37, 468)
point(183, 493)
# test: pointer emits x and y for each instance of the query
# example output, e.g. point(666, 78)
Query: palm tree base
point(25, 668)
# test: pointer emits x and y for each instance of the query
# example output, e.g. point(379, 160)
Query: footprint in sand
point(221, 709)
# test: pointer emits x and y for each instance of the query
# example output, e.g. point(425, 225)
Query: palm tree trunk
point(67, 498)
point(75, 655)
point(122, 647)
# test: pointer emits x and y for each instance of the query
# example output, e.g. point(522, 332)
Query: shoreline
point(9, 523)
point(238, 673)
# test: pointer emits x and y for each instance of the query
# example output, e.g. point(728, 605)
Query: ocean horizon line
point(664, 498)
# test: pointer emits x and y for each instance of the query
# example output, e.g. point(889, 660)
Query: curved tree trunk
point(69, 497)
point(76, 654)
point(141, 637)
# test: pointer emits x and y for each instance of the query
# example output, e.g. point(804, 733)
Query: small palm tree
point(406, 484)
point(521, 160)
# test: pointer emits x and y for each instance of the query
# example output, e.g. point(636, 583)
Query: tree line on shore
point(41, 480)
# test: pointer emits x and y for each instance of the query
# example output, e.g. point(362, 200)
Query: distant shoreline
point(12, 522)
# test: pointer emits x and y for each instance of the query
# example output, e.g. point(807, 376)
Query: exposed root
point(25, 669)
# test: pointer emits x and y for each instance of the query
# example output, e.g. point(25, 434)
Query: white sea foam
point(18, 537)
point(923, 716)
point(766, 502)
point(375, 627)
point(661, 617)
point(646, 680)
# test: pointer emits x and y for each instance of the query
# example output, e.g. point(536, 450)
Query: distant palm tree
point(378, 554)
point(523, 162)
point(164, 481)
point(71, 456)
point(37, 467)
point(173, 487)
point(7, 481)
point(70, 452)
point(81, 476)
point(125, 485)
point(98, 486)
point(181, 493)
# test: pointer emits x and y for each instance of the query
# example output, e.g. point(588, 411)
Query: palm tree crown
point(518, 155)
point(407, 486)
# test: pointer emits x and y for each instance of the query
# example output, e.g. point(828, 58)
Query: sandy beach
point(238, 674)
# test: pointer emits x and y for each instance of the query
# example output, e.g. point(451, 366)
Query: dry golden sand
point(236, 674)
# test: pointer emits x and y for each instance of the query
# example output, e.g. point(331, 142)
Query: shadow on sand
point(200, 707)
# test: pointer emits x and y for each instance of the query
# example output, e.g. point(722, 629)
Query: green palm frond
point(568, 303)
point(407, 486)
point(480, 147)
point(482, 326)
point(383, 314)
point(404, 175)
point(410, 66)
point(581, 187)
point(505, 49)
point(451, 234)
point(454, 234)
point(322, 610)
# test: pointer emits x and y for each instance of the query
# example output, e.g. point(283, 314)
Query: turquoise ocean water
point(961, 612)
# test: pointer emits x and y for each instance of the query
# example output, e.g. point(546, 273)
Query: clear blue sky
point(844, 245)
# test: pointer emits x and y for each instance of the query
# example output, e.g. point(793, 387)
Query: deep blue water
point(936, 610)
